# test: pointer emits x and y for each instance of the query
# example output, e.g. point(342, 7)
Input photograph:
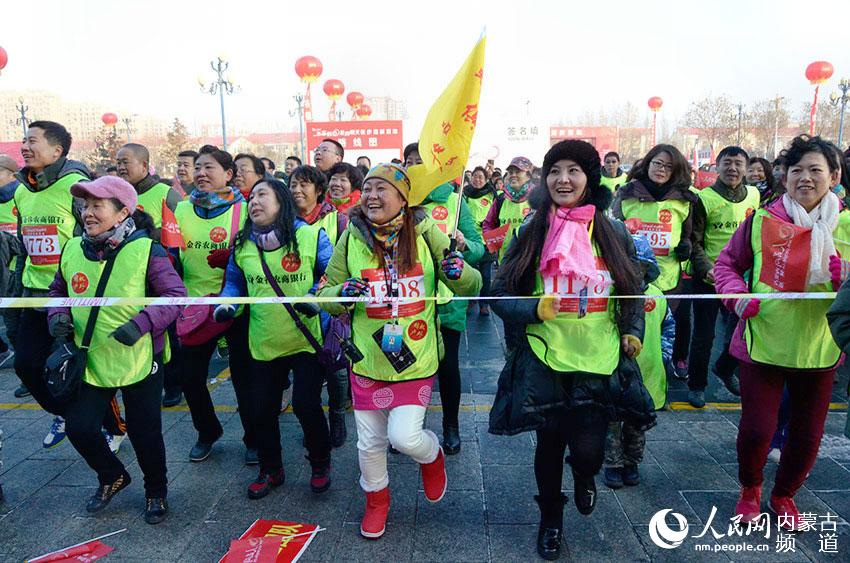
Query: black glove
point(309, 310)
point(224, 313)
point(127, 334)
point(683, 251)
point(61, 327)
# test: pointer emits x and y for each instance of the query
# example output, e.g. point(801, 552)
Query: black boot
point(337, 427)
point(451, 439)
point(585, 493)
point(551, 530)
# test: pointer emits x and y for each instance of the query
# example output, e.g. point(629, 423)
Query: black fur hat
point(587, 157)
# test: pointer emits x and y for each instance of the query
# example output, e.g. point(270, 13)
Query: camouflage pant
point(624, 445)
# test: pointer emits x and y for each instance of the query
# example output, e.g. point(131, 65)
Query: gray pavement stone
point(451, 530)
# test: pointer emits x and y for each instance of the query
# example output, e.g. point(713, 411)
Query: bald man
point(133, 165)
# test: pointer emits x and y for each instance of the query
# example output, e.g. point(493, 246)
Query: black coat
point(528, 389)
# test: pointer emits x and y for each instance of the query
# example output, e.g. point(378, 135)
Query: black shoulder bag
point(64, 369)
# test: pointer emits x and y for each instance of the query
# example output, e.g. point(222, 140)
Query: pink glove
point(748, 307)
point(839, 270)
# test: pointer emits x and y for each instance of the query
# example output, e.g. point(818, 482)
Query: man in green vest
point(720, 209)
point(9, 248)
point(47, 218)
point(133, 162)
point(612, 175)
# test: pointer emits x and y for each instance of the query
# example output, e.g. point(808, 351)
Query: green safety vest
point(513, 213)
point(151, 202)
point(791, 334)
point(479, 207)
point(9, 224)
point(661, 223)
point(47, 223)
point(443, 214)
point(613, 183)
point(331, 226)
point(588, 344)
point(110, 363)
point(272, 332)
point(722, 218)
point(650, 360)
point(418, 319)
point(201, 237)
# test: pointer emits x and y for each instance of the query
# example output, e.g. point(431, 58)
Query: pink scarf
point(567, 251)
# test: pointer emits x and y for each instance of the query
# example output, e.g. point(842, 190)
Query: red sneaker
point(264, 483)
point(320, 477)
point(786, 510)
point(749, 504)
point(434, 478)
point(374, 522)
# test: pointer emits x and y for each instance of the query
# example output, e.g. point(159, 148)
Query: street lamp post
point(841, 100)
point(299, 99)
point(222, 85)
point(22, 109)
point(127, 121)
point(777, 105)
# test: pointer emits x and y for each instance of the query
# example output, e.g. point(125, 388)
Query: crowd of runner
point(588, 267)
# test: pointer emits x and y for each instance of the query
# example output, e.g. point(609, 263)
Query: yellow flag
point(447, 134)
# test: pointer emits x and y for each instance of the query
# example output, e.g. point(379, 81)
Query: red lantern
point(4, 58)
point(308, 69)
point(655, 103)
point(109, 118)
point(364, 111)
point(334, 89)
point(354, 99)
point(819, 72)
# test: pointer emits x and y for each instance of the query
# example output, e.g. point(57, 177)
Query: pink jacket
point(729, 270)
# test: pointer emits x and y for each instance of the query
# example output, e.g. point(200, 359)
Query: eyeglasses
point(324, 149)
point(661, 165)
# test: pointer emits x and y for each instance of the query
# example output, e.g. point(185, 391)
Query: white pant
point(403, 426)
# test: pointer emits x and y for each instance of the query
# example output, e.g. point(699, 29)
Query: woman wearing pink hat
point(125, 343)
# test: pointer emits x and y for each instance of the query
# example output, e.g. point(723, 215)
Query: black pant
point(705, 317)
point(338, 390)
point(584, 430)
point(449, 376)
point(83, 419)
point(485, 266)
point(265, 390)
point(682, 316)
point(33, 347)
point(196, 363)
point(171, 379)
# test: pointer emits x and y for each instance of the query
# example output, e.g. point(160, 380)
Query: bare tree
point(766, 118)
point(716, 119)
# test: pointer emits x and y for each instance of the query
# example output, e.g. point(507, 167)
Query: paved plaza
point(488, 513)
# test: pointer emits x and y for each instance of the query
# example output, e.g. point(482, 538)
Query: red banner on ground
point(291, 537)
point(496, 238)
point(90, 551)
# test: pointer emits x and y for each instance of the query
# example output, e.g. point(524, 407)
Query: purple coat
point(162, 281)
point(735, 259)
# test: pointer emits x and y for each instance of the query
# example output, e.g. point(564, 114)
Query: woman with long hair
point(276, 243)
point(573, 258)
point(391, 249)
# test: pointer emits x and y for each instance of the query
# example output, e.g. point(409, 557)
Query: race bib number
point(410, 286)
point(596, 294)
point(42, 243)
point(11, 228)
point(658, 234)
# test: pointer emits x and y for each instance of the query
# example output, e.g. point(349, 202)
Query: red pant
point(761, 392)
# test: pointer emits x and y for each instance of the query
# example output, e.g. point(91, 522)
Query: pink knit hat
point(108, 187)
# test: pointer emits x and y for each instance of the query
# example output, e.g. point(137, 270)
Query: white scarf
point(822, 220)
